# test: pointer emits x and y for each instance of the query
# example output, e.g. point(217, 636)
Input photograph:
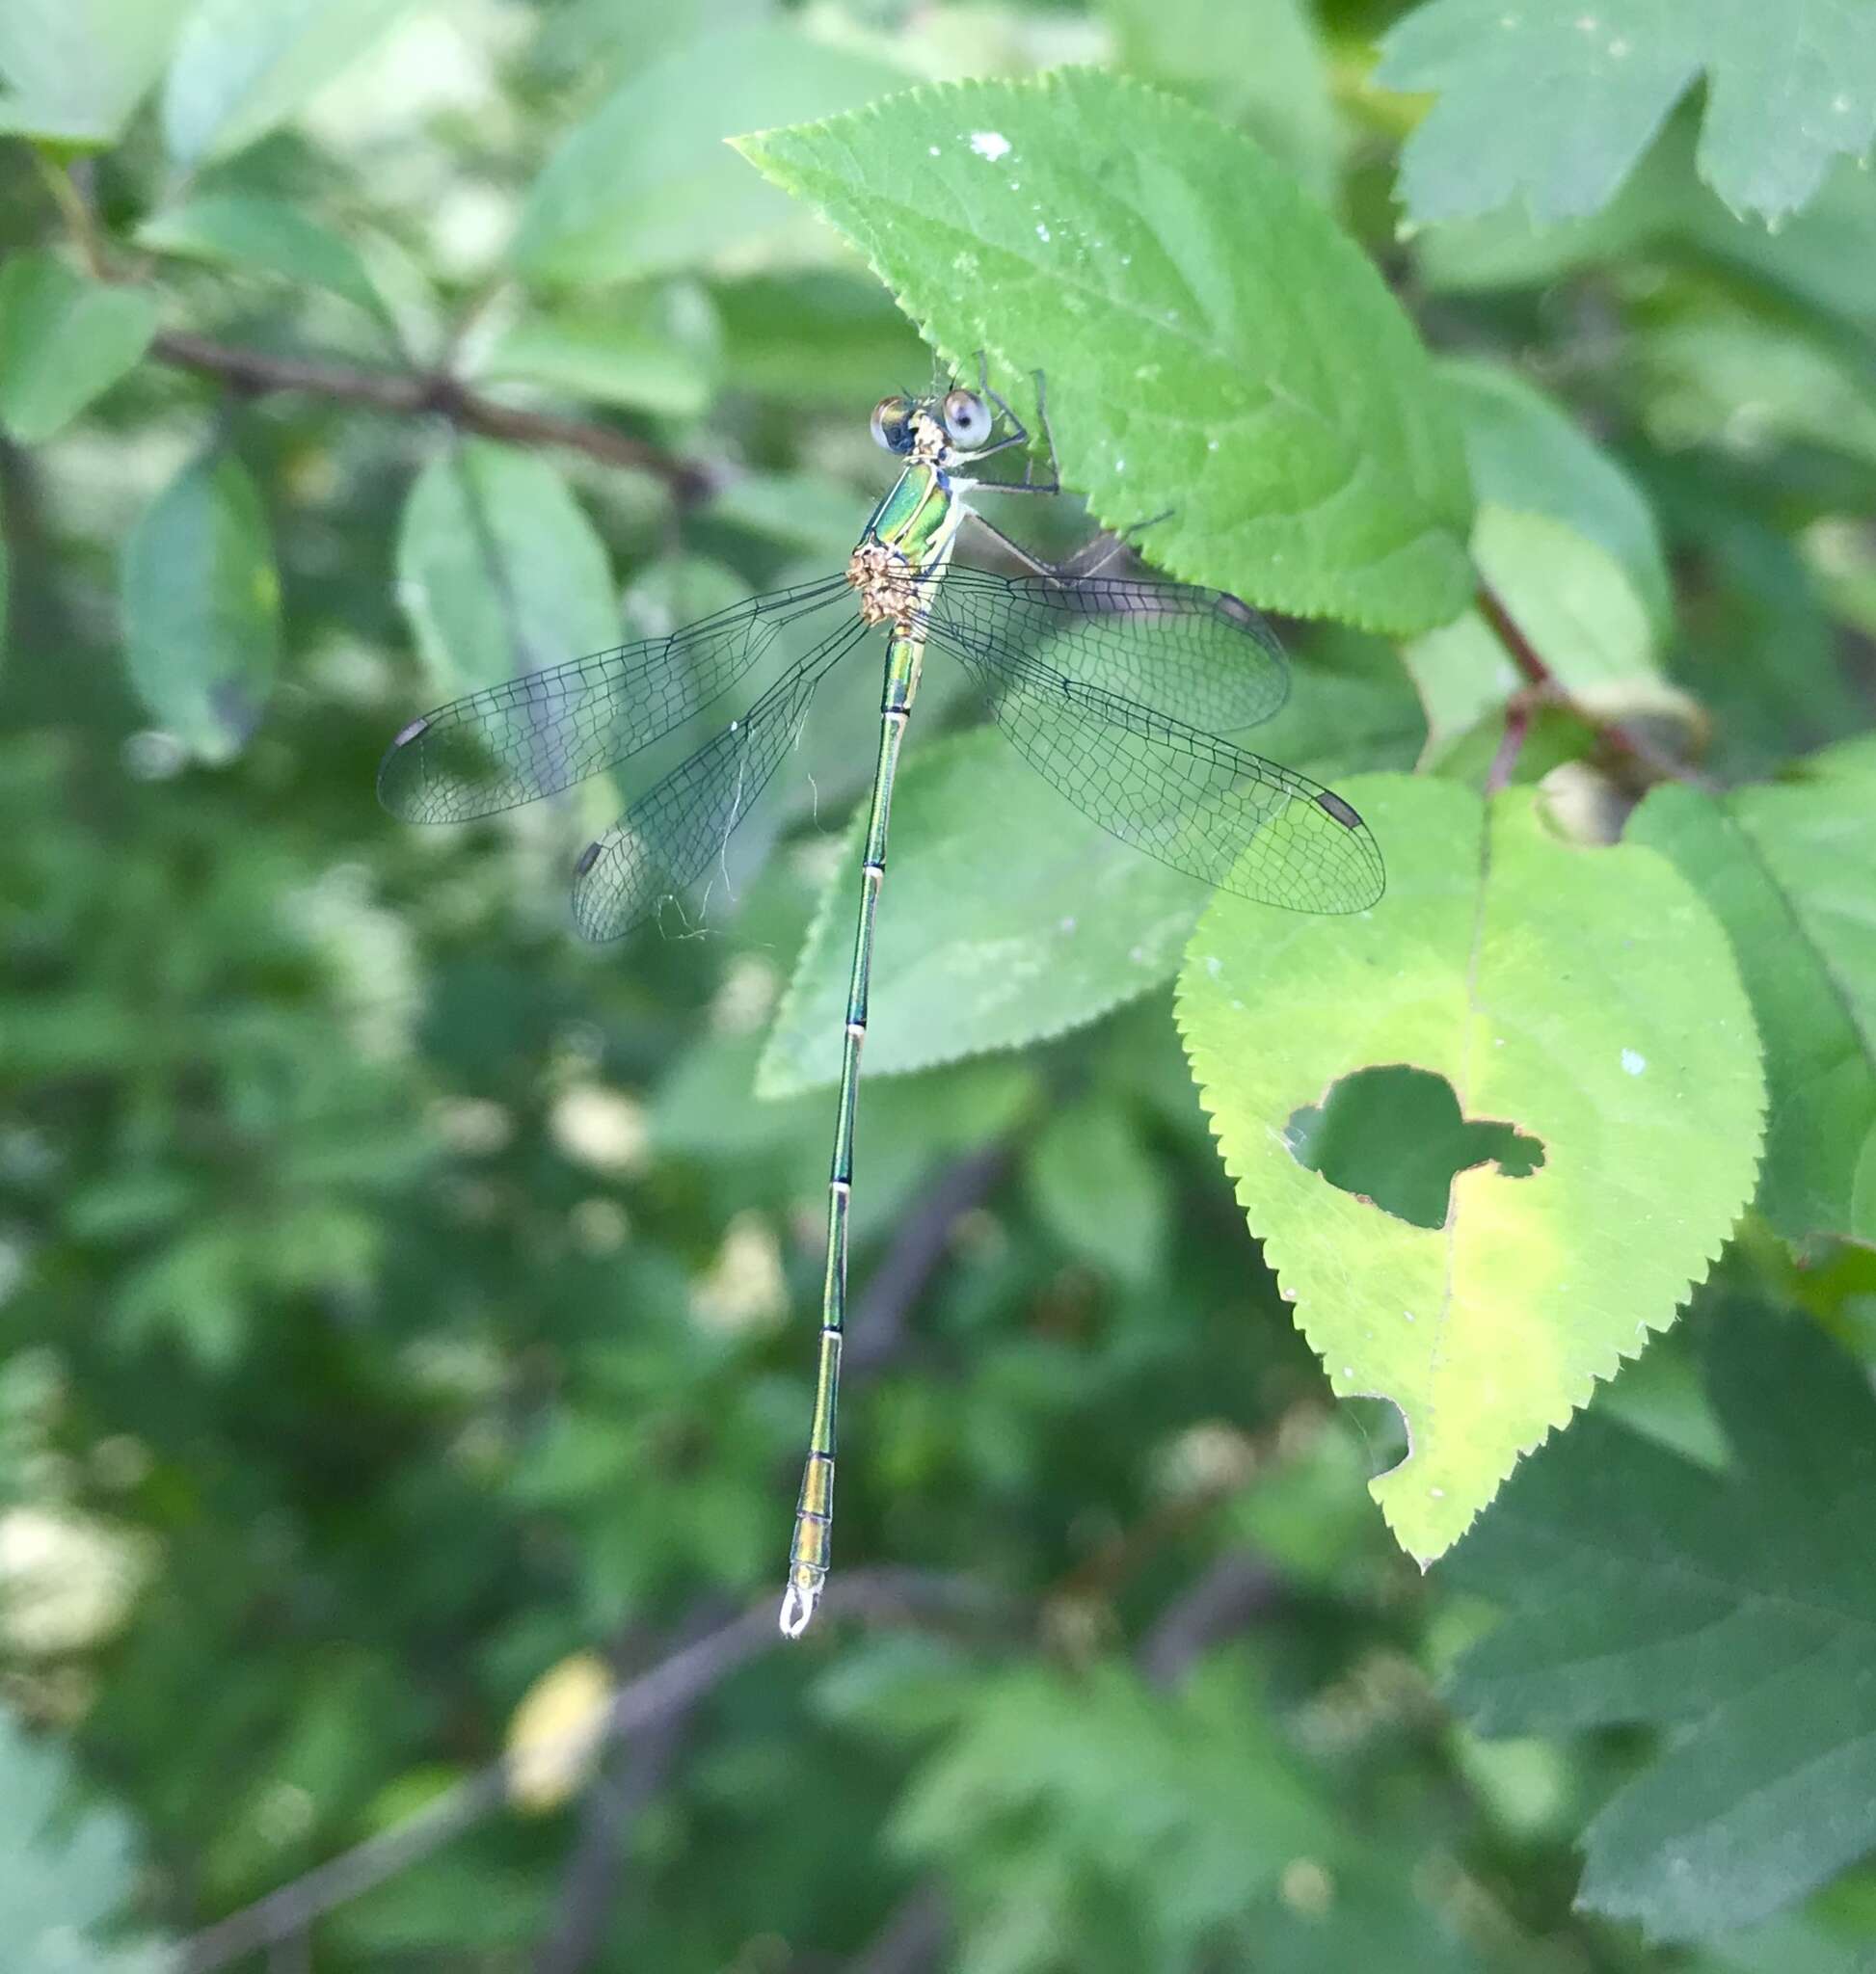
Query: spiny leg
point(1019, 435)
point(1090, 559)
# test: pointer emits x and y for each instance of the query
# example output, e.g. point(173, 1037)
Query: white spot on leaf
point(990, 144)
point(1633, 1063)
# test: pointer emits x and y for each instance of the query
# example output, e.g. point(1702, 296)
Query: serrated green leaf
point(201, 608)
point(1215, 346)
point(1788, 870)
point(243, 229)
point(644, 185)
point(1527, 454)
point(1555, 104)
point(73, 70)
point(1008, 917)
point(1258, 63)
point(1097, 1190)
point(1589, 999)
point(67, 1875)
point(64, 341)
point(244, 66)
point(498, 569)
point(1738, 1610)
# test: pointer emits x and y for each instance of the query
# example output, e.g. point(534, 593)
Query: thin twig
point(879, 1596)
point(414, 393)
point(913, 1939)
point(1518, 709)
point(877, 1332)
point(1536, 673)
point(1236, 1591)
point(631, 1774)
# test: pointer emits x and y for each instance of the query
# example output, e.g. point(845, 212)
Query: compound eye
point(892, 424)
point(967, 418)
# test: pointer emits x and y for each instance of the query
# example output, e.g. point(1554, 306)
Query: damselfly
point(1112, 689)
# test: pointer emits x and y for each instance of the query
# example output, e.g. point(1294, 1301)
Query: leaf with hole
point(1214, 345)
point(201, 608)
point(64, 341)
point(1603, 1105)
point(1736, 1609)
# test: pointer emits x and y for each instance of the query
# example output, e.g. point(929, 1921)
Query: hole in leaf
point(1396, 1136)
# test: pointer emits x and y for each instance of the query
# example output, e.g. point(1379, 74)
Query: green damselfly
point(1114, 689)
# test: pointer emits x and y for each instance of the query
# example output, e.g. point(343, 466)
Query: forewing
point(672, 834)
point(541, 733)
point(1200, 656)
point(1227, 817)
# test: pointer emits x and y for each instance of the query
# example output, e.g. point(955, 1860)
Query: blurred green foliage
point(402, 1304)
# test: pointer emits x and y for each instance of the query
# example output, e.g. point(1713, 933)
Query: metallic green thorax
point(904, 550)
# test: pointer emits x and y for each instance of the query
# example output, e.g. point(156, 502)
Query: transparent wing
point(1200, 656)
point(532, 736)
point(1194, 801)
point(674, 832)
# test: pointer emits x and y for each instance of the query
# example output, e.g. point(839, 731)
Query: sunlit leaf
point(1216, 349)
point(1734, 1610)
point(498, 570)
point(1555, 104)
point(72, 72)
point(1588, 1000)
point(63, 340)
point(244, 65)
point(201, 608)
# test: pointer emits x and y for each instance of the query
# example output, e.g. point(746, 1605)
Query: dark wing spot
point(1236, 609)
point(411, 732)
point(1333, 805)
point(588, 857)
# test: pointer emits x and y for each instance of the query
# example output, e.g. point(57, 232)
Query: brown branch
point(416, 393)
point(877, 1335)
point(1519, 711)
point(631, 1774)
point(1545, 682)
point(675, 1683)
